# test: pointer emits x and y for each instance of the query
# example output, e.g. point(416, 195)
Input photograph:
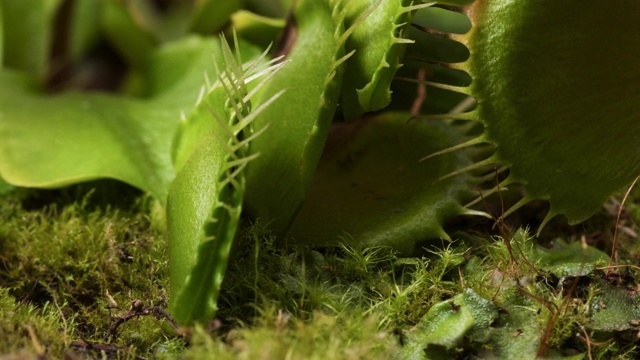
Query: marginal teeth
point(533, 90)
point(210, 156)
point(359, 178)
point(377, 58)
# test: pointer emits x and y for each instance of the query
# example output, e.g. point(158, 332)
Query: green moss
point(65, 263)
point(279, 335)
point(33, 330)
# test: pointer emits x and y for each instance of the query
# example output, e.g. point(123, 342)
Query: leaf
point(561, 112)
point(131, 39)
point(28, 34)
point(278, 181)
point(442, 20)
point(371, 189)
point(209, 16)
point(613, 308)
point(202, 220)
point(84, 30)
point(257, 29)
point(192, 198)
point(61, 140)
point(569, 260)
point(53, 141)
point(521, 331)
point(205, 200)
point(379, 30)
point(446, 324)
point(273, 8)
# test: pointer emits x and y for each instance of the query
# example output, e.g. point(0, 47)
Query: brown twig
point(615, 232)
point(87, 346)
point(421, 94)
point(565, 302)
point(618, 266)
point(594, 343)
point(137, 309)
point(548, 304)
point(159, 313)
point(500, 223)
point(588, 341)
point(26, 297)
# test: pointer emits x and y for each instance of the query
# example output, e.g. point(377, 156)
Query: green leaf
point(132, 40)
point(569, 259)
point(446, 324)
point(442, 20)
point(84, 30)
point(209, 16)
point(61, 140)
point(28, 34)
point(278, 181)
point(257, 29)
point(191, 200)
point(379, 40)
point(272, 8)
point(371, 188)
point(560, 111)
point(53, 141)
point(205, 200)
point(522, 330)
point(202, 219)
point(613, 308)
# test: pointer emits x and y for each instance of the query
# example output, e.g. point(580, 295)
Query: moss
point(33, 330)
point(280, 335)
point(69, 269)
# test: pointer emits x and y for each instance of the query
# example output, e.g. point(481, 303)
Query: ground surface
point(85, 276)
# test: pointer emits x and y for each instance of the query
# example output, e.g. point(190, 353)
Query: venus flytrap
point(259, 30)
point(91, 136)
point(379, 40)
point(127, 33)
point(560, 110)
point(205, 200)
point(27, 27)
point(136, 27)
point(278, 181)
point(56, 140)
point(371, 190)
point(427, 61)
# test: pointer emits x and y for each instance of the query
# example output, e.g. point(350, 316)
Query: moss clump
point(70, 270)
point(32, 330)
point(280, 335)
point(67, 268)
